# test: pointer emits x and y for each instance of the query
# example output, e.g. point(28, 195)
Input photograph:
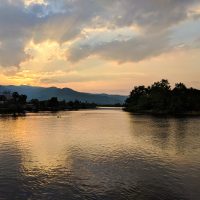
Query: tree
point(2, 98)
point(159, 98)
point(53, 102)
point(22, 99)
point(138, 99)
point(163, 84)
point(160, 94)
point(35, 102)
point(180, 86)
point(15, 96)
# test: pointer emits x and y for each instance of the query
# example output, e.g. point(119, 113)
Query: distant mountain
point(66, 94)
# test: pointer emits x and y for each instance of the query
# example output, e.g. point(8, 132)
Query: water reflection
point(99, 154)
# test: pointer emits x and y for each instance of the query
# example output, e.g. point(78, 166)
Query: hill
point(66, 94)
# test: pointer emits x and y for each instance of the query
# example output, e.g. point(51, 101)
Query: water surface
point(99, 154)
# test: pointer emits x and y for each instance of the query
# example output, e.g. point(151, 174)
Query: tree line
point(17, 104)
point(160, 98)
point(54, 105)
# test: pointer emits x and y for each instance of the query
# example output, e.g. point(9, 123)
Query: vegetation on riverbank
point(17, 104)
point(54, 105)
point(159, 98)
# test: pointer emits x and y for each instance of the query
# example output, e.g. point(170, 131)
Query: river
point(103, 154)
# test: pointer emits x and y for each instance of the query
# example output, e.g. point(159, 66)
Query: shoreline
point(41, 111)
point(164, 113)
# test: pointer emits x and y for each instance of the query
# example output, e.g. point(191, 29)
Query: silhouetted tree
point(159, 98)
point(53, 102)
point(17, 104)
point(15, 96)
point(2, 98)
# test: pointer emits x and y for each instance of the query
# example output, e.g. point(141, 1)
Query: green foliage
point(160, 98)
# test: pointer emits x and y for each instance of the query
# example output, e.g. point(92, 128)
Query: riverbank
point(162, 113)
point(7, 114)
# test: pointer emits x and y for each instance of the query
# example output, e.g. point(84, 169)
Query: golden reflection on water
point(48, 142)
point(99, 153)
point(43, 145)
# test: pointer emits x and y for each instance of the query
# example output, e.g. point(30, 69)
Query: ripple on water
point(99, 154)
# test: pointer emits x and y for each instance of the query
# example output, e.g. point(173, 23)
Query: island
point(160, 98)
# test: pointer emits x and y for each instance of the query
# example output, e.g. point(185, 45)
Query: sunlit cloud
point(29, 2)
point(45, 51)
point(103, 43)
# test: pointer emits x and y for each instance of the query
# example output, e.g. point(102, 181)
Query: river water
point(99, 154)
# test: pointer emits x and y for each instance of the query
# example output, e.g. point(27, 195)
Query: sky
point(99, 46)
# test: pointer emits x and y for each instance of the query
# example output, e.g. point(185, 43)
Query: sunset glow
point(99, 46)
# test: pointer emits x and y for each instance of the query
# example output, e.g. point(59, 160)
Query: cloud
point(75, 76)
point(132, 50)
point(16, 30)
point(64, 21)
point(155, 18)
